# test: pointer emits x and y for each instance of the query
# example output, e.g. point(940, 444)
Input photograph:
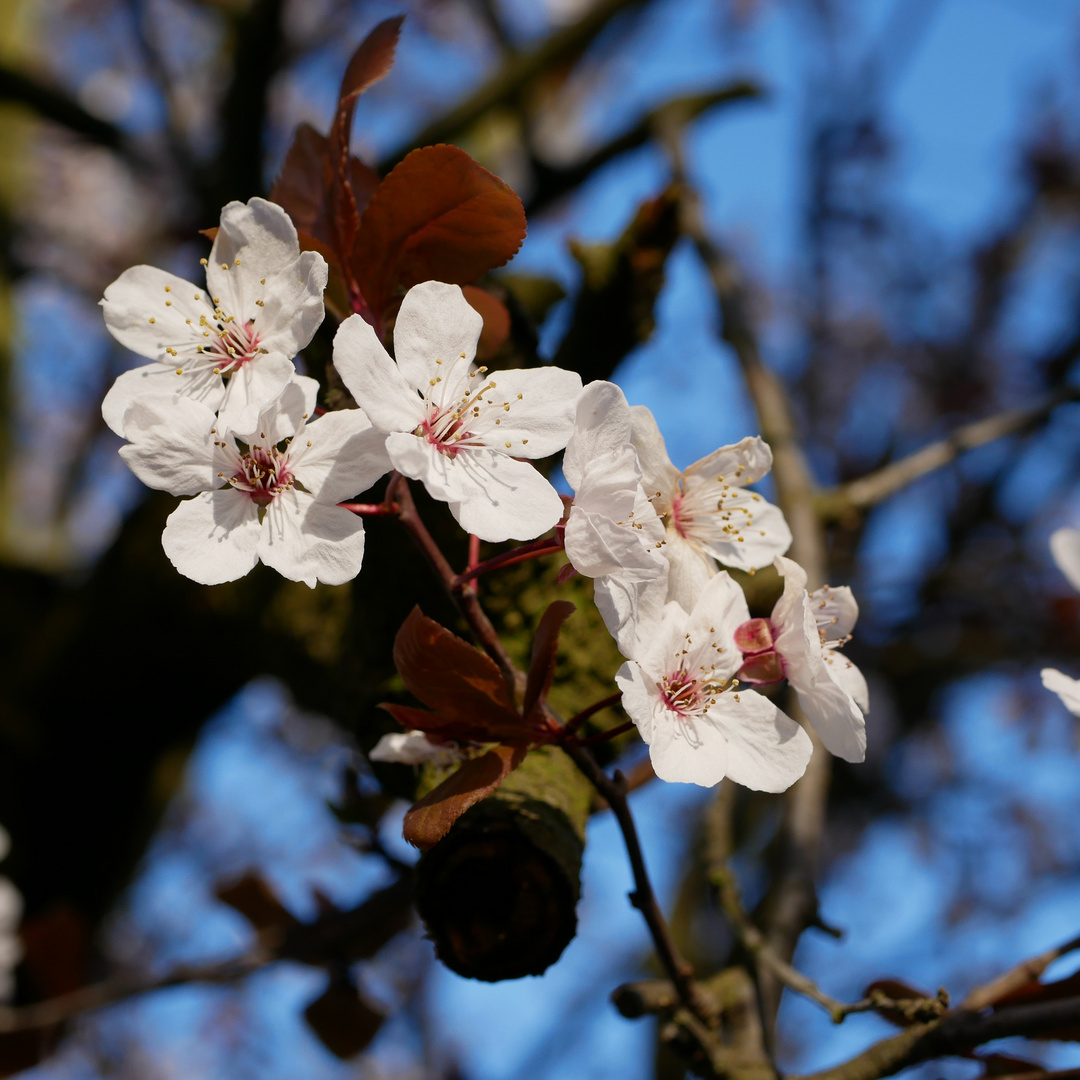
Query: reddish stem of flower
point(604, 736)
point(576, 721)
point(535, 549)
point(464, 596)
point(474, 552)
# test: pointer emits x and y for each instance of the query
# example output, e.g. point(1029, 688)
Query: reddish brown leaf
point(343, 1020)
point(1035, 993)
point(371, 62)
point(544, 652)
point(437, 216)
point(448, 674)
point(496, 320)
point(304, 187)
point(1007, 1065)
point(462, 727)
point(430, 819)
point(256, 901)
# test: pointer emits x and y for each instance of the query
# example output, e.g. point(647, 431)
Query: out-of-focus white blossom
point(1065, 549)
point(455, 427)
point(272, 496)
point(231, 344)
point(11, 908)
point(414, 748)
point(699, 724)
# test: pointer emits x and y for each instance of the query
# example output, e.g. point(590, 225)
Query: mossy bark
point(499, 893)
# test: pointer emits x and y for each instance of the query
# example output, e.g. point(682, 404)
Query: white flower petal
point(306, 540)
point(762, 531)
point(412, 748)
point(435, 322)
point(159, 379)
point(630, 608)
point(149, 310)
point(172, 448)
point(686, 751)
point(739, 464)
point(659, 477)
point(597, 546)
point(252, 388)
point(602, 431)
point(1067, 689)
point(511, 502)
point(534, 409)
point(835, 611)
point(263, 237)
point(1065, 548)
point(766, 750)
point(847, 676)
point(346, 456)
point(292, 305)
point(637, 701)
point(287, 413)
point(834, 715)
point(690, 570)
point(373, 378)
point(213, 537)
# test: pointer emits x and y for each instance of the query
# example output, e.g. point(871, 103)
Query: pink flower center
point(762, 663)
point(681, 693)
point(235, 346)
point(264, 474)
point(676, 506)
point(446, 432)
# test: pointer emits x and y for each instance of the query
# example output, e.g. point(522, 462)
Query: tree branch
point(956, 1033)
point(513, 76)
point(887, 481)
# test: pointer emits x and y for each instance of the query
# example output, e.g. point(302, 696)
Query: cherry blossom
point(1065, 549)
point(270, 496)
point(11, 909)
point(709, 515)
point(793, 644)
point(612, 528)
point(699, 724)
point(457, 428)
point(414, 748)
point(231, 344)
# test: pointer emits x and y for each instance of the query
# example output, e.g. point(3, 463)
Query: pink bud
point(754, 636)
point(765, 667)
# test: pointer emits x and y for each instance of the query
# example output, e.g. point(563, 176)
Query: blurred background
point(894, 186)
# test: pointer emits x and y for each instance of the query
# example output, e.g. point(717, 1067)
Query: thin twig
point(887, 481)
point(605, 736)
point(990, 993)
point(643, 897)
point(597, 706)
point(464, 597)
point(371, 509)
point(535, 549)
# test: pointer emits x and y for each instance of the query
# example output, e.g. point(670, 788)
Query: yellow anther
point(236, 261)
point(168, 288)
point(507, 446)
point(198, 296)
point(262, 281)
point(152, 319)
point(202, 262)
point(168, 303)
point(217, 371)
point(179, 371)
point(309, 442)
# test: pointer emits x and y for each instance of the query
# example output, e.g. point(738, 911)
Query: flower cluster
point(222, 416)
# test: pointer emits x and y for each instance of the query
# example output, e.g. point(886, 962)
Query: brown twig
point(463, 596)
point(989, 993)
point(597, 706)
point(535, 549)
point(643, 898)
point(887, 481)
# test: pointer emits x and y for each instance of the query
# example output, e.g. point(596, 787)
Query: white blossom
point(1065, 549)
point(612, 528)
point(414, 748)
point(231, 344)
point(709, 515)
point(792, 644)
point(455, 427)
point(271, 495)
point(11, 909)
point(699, 724)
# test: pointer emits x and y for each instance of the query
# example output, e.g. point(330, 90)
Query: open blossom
point(798, 642)
point(709, 515)
point(455, 427)
point(270, 496)
point(415, 748)
point(612, 527)
point(1065, 548)
point(231, 344)
point(700, 725)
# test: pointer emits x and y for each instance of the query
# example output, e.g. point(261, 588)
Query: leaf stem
point(597, 706)
point(535, 549)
